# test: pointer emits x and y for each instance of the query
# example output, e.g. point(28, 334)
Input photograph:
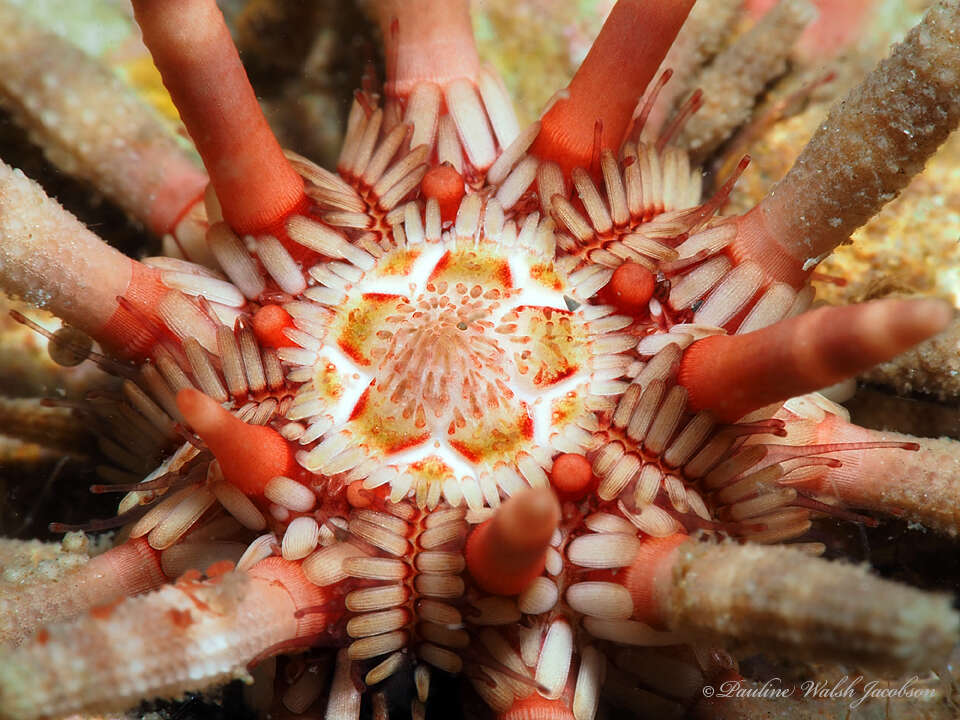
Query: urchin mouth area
point(459, 358)
point(440, 359)
point(457, 364)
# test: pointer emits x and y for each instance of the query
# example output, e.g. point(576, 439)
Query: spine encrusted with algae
point(876, 139)
point(161, 644)
point(91, 125)
point(739, 74)
point(785, 601)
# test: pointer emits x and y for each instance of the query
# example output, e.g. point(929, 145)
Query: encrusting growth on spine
point(839, 24)
point(869, 147)
point(185, 636)
point(707, 29)
point(738, 75)
point(191, 46)
point(508, 551)
point(759, 596)
point(803, 354)
point(116, 142)
point(128, 569)
point(43, 245)
point(600, 100)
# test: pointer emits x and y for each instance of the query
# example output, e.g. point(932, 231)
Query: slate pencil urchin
point(484, 401)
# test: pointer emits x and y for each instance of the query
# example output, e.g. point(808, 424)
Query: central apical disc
point(457, 367)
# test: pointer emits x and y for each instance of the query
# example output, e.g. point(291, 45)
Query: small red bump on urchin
point(269, 322)
point(631, 288)
point(357, 495)
point(572, 477)
point(446, 185)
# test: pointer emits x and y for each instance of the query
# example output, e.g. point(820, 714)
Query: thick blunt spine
point(731, 375)
point(508, 551)
point(48, 258)
point(870, 146)
point(191, 46)
point(250, 456)
point(604, 92)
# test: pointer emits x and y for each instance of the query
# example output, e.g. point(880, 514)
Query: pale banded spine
point(540, 596)
point(636, 190)
point(280, 265)
point(376, 598)
point(384, 669)
point(693, 285)
point(605, 600)
point(440, 658)
point(260, 549)
point(159, 512)
point(345, 698)
point(371, 647)
point(556, 656)
point(603, 550)
point(473, 129)
point(200, 284)
point(652, 520)
point(180, 518)
point(377, 622)
point(300, 538)
point(235, 260)
point(290, 494)
point(505, 653)
point(372, 568)
point(630, 632)
point(445, 587)
point(327, 565)
point(731, 295)
point(590, 676)
point(185, 319)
